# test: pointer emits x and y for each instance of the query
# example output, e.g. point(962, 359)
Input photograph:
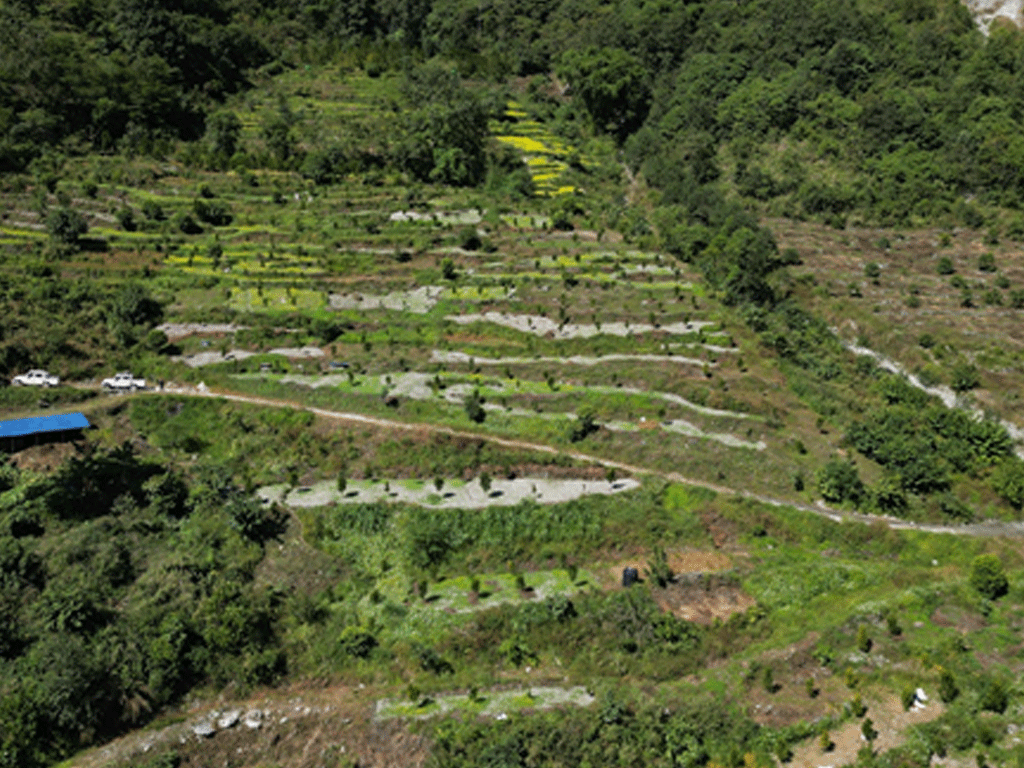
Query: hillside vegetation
point(729, 294)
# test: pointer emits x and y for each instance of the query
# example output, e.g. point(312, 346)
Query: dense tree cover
point(923, 444)
point(907, 105)
point(111, 75)
point(71, 325)
point(123, 585)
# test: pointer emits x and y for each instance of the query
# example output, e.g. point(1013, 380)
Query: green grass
point(453, 594)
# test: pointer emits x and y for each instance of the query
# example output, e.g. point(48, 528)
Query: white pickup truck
point(123, 382)
point(36, 378)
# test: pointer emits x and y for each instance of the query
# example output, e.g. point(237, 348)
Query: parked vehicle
point(123, 382)
point(35, 378)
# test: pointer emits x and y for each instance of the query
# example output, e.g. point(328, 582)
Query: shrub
point(857, 706)
point(126, 218)
point(964, 377)
point(987, 262)
point(868, 730)
point(152, 211)
point(988, 577)
point(658, 569)
point(994, 697)
point(585, 424)
point(473, 404)
point(907, 697)
point(945, 266)
point(66, 225)
point(893, 625)
point(356, 642)
point(948, 689)
point(217, 214)
point(825, 742)
point(469, 239)
point(1008, 481)
point(838, 481)
point(864, 641)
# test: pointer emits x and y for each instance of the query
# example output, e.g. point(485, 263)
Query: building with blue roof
point(16, 434)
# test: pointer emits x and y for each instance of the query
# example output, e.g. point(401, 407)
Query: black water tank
point(630, 576)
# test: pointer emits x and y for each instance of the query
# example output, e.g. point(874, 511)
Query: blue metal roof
point(39, 424)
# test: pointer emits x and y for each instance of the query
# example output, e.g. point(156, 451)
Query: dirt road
point(987, 529)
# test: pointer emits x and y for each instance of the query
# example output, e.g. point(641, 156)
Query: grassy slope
point(814, 578)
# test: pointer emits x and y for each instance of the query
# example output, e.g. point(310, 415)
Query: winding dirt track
point(986, 529)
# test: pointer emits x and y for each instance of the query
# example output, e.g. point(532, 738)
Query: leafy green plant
point(838, 481)
point(864, 641)
point(948, 689)
point(473, 405)
point(658, 569)
point(908, 695)
point(988, 577)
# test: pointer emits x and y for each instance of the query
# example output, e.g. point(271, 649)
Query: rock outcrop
point(987, 11)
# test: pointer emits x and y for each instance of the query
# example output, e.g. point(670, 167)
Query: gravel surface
point(199, 359)
point(177, 331)
point(441, 356)
point(544, 326)
point(461, 495)
point(419, 301)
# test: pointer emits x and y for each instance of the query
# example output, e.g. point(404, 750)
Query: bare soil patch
point(43, 458)
point(959, 618)
point(698, 593)
point(297, 727)
point(702, 598)
point(889, 719)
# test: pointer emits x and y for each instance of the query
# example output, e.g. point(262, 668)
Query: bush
point(948, 689)
point(945, 266)
point(66, 225)
point(838, 481)
point(126, 218)
point(217, 214)
point(988, 577)
point(987, 262)
point(469, 239)
point(864, 641)
point(994, 696)
point(907, 697)
point(356, 642)
point(964, 377)
point(152, 211)
point(658, 569)
point(1008, 481)
point(585, 424)
point(473, 404)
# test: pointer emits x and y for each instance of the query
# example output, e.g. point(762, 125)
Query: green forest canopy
point(907, 104)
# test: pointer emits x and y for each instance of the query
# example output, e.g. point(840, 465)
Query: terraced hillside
point(413, 492)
